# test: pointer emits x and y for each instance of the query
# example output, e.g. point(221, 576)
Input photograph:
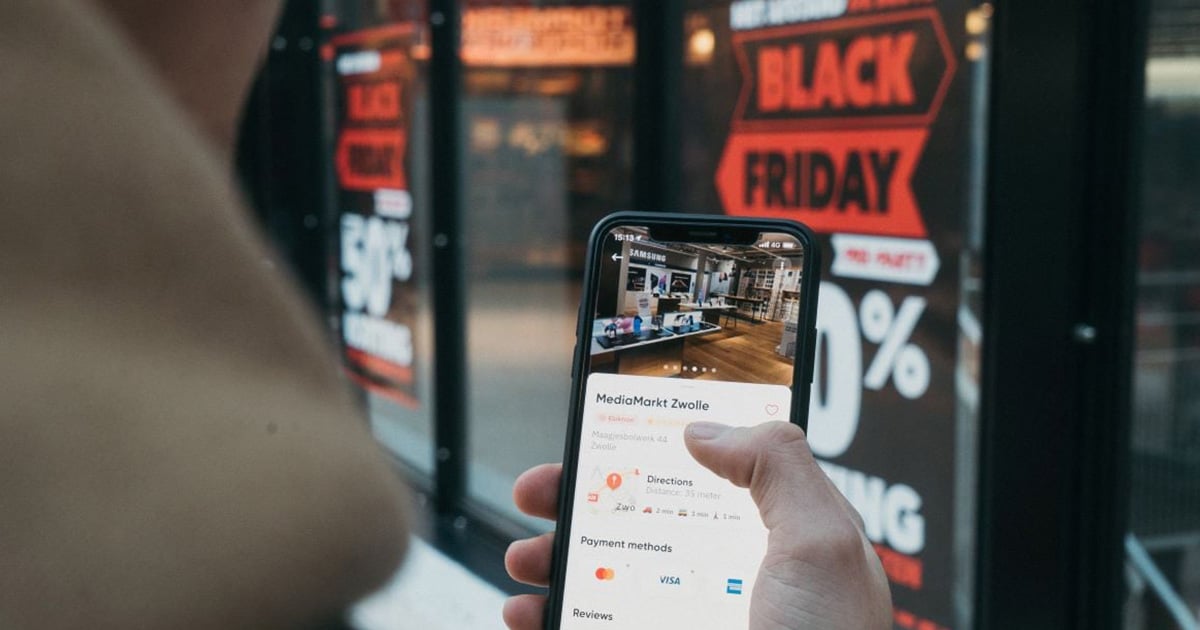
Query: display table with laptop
point(755, 305)
point(618, 346)
point(712, 311)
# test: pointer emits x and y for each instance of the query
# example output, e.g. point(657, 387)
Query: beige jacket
point(177, 449)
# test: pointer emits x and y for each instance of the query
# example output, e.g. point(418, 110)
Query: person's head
point(206, 52)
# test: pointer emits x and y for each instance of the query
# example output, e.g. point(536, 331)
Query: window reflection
point(1165, 472)
point(547, 108)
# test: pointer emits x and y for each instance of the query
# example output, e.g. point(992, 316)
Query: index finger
point(535, 492)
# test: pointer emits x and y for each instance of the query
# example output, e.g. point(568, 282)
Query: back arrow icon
point(616, 257)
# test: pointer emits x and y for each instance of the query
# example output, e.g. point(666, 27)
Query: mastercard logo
point(605, 574)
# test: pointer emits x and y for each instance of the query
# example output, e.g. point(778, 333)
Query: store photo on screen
point(695, 310)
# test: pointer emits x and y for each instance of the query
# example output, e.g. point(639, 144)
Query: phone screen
point(680, 332)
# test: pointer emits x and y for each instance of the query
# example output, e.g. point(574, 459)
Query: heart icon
point(772, 409)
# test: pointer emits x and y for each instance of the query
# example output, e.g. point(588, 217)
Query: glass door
point(547, 106)
point(1163, 545)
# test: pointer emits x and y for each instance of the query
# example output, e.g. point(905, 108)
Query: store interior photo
point(698, 311)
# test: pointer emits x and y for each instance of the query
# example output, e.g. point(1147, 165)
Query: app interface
point(682, 332)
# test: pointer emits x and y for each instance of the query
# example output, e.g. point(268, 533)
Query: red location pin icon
point(614, 481)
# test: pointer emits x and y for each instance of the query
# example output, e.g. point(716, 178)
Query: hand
point(528, 561)
point(819, 572)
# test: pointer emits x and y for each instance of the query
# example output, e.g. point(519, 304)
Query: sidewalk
point(431, 592)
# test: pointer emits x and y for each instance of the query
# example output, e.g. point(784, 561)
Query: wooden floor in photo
point(745, 353)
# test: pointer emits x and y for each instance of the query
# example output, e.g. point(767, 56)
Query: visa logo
point(669, 579)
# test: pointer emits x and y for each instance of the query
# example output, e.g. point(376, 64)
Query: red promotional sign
point(862, 120)
point(373, 73)
point(370, 159)
point(835, 181)
point(800, 146)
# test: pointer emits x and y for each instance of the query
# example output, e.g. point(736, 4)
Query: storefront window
point(1164, 542)
point(374, 58)
point(547, 108)
point(866, 120)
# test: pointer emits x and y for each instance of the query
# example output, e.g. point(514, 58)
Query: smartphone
point(682, 318)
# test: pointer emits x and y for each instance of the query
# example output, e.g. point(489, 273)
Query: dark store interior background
point(432, 170)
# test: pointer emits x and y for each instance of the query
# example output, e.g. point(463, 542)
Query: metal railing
point(1140, 562)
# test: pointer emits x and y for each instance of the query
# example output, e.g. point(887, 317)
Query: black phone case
point(802, 375)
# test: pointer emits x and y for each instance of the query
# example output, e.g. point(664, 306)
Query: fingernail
point(706, 430)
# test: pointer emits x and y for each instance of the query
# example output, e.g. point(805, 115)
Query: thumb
point(772, 460)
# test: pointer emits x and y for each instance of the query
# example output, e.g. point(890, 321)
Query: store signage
point(894, 68)
point(902, 261)
point(647, 255)
point(395, 204)
point(852, 117)
point(856, 180)
point(368, 159)
point(374, 72)
point(548, 36)
point(832, 119)
point(364, 62)
point(747, 14)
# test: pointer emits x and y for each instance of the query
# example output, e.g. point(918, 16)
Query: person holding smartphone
point(820, 570)
point(650, 532)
